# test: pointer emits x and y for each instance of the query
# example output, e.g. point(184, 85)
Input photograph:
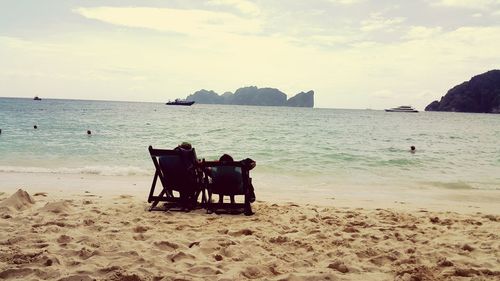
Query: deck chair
point(227, 179)
point(181, 179)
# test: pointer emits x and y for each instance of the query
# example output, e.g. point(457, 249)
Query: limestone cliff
point(301, 100)
point(254, 96)
point(481, 94)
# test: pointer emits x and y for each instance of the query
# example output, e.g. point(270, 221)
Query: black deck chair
point(179, 176)
point(228, 179)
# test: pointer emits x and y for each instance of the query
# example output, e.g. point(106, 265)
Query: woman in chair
point(249, 164)
point(226, 158)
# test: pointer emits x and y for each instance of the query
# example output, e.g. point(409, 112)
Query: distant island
point(480, 95)
point(254, 96)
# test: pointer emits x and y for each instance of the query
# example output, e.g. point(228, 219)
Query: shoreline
point(267, 191)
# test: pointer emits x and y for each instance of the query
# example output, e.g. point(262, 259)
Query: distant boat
point(37, 98)
point(403, 108)
point(180, 102)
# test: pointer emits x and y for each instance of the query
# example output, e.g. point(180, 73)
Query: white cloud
point(244, 6)
point(422, 32)
point(330, 40)
point(379, 22)
point(346, 2)
point(188, 22)
point(45, 47)
point(468, 4)
point(383, 94)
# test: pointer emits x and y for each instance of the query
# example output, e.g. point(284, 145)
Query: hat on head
point(185, 145)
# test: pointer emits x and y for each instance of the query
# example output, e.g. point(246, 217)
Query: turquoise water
point(299, 147)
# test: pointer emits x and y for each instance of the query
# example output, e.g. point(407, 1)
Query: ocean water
point(297, 148)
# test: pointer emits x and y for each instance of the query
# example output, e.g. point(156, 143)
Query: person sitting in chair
point(188, 154)
point(226, 158)
point(189, 161)
point(249, 164)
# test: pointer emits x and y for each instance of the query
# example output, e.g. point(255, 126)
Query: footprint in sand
point(339, 266)
point(88, 222)
point(180, 256)
point(12, 241)
point(110, 269)
point(44, 194)
point(384, 259)
point(64, 239)
point(253, 272)
point(166, 245)
point(443, 262)
point(140, 237)
point(18, 257)
point(241, 232)
point(41, 245)
point(279, 240)
point(59, 207)
point(492, 217)
point(141, 229)
point(467, 247)
point(204, 270)
point(415, 273)
point(350, 229)
point(85, 253)
point(16, 273)
point(77, 278)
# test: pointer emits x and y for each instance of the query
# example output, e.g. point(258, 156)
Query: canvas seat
point(181, 179)
point(228, 179)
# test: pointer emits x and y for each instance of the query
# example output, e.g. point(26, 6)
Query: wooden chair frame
point(167, 193)
point(228, 207)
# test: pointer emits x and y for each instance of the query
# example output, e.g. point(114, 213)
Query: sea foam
point(90, 170)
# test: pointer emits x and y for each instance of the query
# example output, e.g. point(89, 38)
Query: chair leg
point(153, 205)
point(209, 203)
point(153, 185)
point(203, 197)
point(158, 199)
point(248, 207)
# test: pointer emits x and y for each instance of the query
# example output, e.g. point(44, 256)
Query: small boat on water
point(180, 102)
point(37, 98)
point(403, 108)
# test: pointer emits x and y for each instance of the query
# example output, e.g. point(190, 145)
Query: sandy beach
point(86, 234)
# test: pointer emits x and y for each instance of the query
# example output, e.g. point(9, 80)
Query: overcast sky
point(352, 53)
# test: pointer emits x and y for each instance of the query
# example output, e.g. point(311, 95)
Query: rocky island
point(254, 96)
point(481, 94)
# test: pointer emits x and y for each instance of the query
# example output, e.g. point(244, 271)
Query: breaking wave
point(88, 170)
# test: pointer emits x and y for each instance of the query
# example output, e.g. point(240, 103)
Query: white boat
point(403, 108)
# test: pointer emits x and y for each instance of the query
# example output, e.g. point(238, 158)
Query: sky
point(352, 53)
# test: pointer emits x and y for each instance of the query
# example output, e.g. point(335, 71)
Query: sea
point(310, 150)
